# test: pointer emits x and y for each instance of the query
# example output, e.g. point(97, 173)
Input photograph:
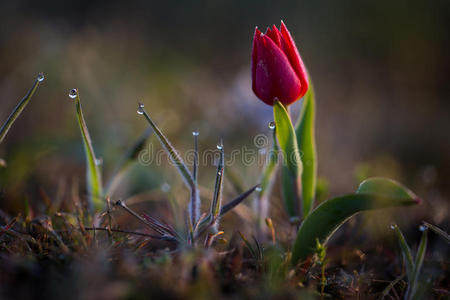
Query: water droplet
point(258, 189)
point(219, 173)
point(219, 146)
point(423, 227)
point(40, 77)
point(393, 226)
point(272, 125)
point(165, 187)
point(140, 109)
point(195, 133)
point(99, 161)
point(73, 93)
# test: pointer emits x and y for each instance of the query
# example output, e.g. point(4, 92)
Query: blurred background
point(380, 69)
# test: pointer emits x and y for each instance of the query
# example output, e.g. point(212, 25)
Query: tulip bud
point(277, 68)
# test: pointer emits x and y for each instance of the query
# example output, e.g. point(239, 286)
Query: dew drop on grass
point(423, 228)
point(140, 109)
point(165, 187)
point(272, 125)
point(195, 133)
point(393, 226)
point(73, 93)
point(219, 146)
point(40, 77)
point(99, 161)
point(258, 189)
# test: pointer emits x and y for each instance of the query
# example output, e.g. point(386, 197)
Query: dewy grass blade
point(204, 223)
point(217, 197)
point(19, 108)
point(130, 156)
point(233, 203)
point(406, 252)
point(292, 164)
point(194, 204)
point(93, 176)
point(418, 262)
point(323, 221)
point(173, 154)
point(307, 146)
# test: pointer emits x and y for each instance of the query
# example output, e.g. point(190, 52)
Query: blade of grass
point(323, 221)
point(390, 286)
point(19, 108)
point(93, 175)
point(173, 154)
point(194, 204)
point(439, 231)
point(130, 156)
point(205, 223)
point(307, 146)
point(233, 203)
point(406, 252)
point(217, 196)
point(418, 262)
point(249, 246)
point(292, 164)
point(151, 225)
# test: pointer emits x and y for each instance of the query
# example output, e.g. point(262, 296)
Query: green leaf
point(93, 176)
point(307, 146)
point(18, 109)
point(130, 156)
point(217, 197)
point(385, 187)
point(292, 164)
point(418, 262)
point(194, 204)
point(406, 253)
point(290, 190)
point(323, 221)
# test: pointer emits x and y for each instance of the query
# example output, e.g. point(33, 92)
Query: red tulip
point(277, 68)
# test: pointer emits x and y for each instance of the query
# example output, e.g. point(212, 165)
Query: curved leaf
point(307, 146)
point(329, 216)
point(93, 175)
point(292, 164)
point(406, 252)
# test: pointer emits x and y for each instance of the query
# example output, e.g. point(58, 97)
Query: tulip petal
point(272, 74)
point(274, 34)
point(289, 48)
point(256, 36)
